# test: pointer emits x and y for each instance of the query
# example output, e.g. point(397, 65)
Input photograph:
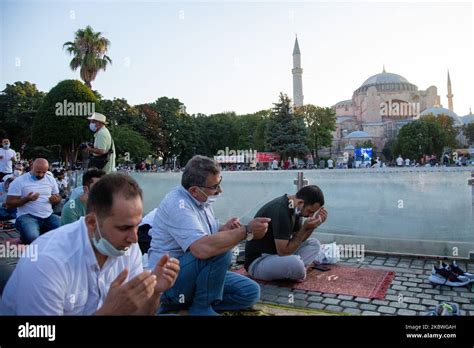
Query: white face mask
point(210, 198)
point(17, 173)
point(104, 247)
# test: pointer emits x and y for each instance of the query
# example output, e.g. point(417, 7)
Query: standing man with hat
point(103, 143)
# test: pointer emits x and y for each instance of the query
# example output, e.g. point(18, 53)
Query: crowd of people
point(90, 259)
point(91, 240)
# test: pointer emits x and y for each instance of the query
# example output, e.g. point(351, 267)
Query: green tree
point(128, 140)
point(19, 103)
point(171, 138)
point(286, 132)
point(468, 131)
point(418, 138)
point(251, 130)
point(89, 51)
point(119, 112)
point(446, 124)
point(321, 122)
point(53, 126)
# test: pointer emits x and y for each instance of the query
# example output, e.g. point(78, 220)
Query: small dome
point(468, 119)
point(358, 134)
point(349, 147)
point(436, 111)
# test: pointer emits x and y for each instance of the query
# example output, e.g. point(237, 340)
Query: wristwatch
point(248, 233)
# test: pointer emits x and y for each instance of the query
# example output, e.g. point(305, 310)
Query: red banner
point(267, 157)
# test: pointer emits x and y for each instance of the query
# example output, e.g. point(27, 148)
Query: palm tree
point(89, 50)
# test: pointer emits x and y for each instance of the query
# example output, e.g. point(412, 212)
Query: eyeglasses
point(214, 187)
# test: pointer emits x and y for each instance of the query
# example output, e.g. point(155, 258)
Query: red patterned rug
point(341, 280)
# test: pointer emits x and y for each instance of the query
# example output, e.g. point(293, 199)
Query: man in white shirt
point(7, 158)
point(400, 161)
point(92, 266)
point(330, 164)
point(34, 194)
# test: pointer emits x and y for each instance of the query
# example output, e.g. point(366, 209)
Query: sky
point(237, 56)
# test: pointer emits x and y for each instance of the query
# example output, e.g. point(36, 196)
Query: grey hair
point(197, 170)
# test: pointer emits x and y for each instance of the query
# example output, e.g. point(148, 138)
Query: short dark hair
point(91, 174)
point(311, 194)
point(100, 200)
point(197, 170)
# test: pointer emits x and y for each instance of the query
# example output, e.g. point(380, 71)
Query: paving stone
point(458, 299)
point(442, 298)
point(398, 305)
point(300, 296)
point(408, 293)
point(396, 282)
point(362, 299)
point(449, 293)
point(282, 300)
point(329, 295)
point(377, 262)
point(392, 297)
point(368, 307)
point(345, 297)
point(415, 280)
point(460, 289)
point(298, 303)
point(410, 275)
point(399, 287)
point(392, 292)
point(314, 293)
point(469, 307)
point(411, 300)
point(403, 265)
point(403, 279)
point(429, 302)
point(425, 296)
point(350, 304)
point(352, 311)
point(268, 297)
point(467, 294)
point(386, 310)
point(425, 286)
point(380, 302)
point(417, 307)
point(432, 291)
point(415, 290)
point(316, 305)
point(370, 313)
point(315, 298)
point(284, 292)
point(334, 308)
point(406, 312)
point(331, 301)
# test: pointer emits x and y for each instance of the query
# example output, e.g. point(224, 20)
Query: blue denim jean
point(7, 214)
point(31, 227)
point(206, 286)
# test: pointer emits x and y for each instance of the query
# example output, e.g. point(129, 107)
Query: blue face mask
point(6, 146)
point(36, 177)
point(104, 247)
point(92, 127)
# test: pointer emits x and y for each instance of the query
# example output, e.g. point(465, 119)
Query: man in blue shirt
point(185, 227)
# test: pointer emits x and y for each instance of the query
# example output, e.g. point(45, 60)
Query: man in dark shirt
point(286, 250)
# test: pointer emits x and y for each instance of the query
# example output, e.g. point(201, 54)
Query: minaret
point(297, 76)
point(450, 94)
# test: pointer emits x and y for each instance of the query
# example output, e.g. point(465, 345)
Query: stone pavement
point(409, 294)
